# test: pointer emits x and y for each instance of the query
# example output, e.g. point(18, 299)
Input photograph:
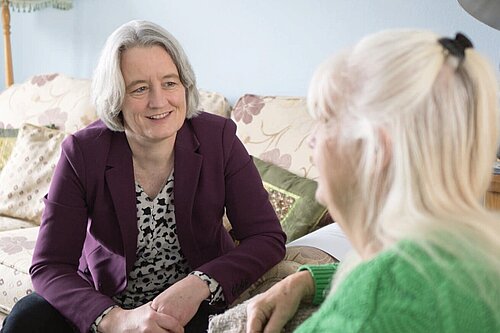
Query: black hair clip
point(457, 46)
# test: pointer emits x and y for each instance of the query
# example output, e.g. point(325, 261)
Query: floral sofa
point(35, 116)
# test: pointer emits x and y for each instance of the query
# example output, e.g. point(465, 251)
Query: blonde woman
point(407, 130)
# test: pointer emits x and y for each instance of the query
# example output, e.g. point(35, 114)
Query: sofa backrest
point(276, 130)
point(45, 100)
point(272, 128)
point(64, 103)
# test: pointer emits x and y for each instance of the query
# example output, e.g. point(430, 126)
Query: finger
point(275, 323)
point(256, 319)
point(155, 308)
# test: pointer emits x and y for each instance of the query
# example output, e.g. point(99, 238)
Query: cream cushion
point(26, 177)
point(16, 251)
point(52, 99)
point(10, 223)
point(215, 103)
point(276, 130)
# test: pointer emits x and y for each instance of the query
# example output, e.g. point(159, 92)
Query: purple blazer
point(88, 237)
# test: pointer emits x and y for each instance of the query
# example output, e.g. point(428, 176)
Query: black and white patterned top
point(160, 262)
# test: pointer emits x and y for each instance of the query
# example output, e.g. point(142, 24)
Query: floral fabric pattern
point(247, 107)
point(16, 250)
point(12, 245)
point(44, 100)
point(55, 117)
point(215, 103)
point(273, 156)
point(276, 130)
point(40, 80)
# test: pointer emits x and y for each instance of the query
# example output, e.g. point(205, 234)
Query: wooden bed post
point(9, 76)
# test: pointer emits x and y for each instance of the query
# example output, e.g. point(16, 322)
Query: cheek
point(179, 98)
point(320, 194)
point(324, 165)
point(330, 175)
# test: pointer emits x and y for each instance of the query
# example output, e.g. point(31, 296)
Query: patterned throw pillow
point(27, 174)
point(293, 199)
point(8, 138)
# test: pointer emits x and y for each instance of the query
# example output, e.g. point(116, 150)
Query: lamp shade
point(486, 11)
point(32, 5)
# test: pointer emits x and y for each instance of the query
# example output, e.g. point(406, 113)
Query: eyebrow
point(135, 82)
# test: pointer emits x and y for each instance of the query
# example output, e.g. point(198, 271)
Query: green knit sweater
point(388, 294)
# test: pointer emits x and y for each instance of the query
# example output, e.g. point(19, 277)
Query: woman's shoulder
point(93, 139)
point(410, 286)
point(412, 265)
point(94, 130)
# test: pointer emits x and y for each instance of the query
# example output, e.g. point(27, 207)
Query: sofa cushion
point(16, 250)
point(52, 99)
point(293, 199)
point(275, 129)
point(11, 223)
point(26, 177)
point(215, 103)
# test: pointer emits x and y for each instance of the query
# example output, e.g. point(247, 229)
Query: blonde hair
point(108, 86)
point(440, 116)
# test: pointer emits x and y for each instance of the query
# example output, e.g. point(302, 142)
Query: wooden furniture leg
point(9, 76)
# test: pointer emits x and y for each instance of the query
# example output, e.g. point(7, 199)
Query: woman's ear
point(386, 147)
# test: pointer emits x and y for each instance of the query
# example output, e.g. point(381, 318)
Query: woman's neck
point(364, 244)
point(153, 163)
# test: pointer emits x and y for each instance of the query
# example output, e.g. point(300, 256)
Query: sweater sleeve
point(322, 276)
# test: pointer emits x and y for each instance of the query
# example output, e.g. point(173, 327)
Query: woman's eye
point(139, 90)
point(170, 84)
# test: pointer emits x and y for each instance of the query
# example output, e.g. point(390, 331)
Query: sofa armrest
point(234, 319)
point(294, 257)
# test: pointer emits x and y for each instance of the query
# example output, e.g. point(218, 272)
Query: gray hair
point(108, 86)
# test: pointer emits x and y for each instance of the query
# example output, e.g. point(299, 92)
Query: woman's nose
point(157, 98)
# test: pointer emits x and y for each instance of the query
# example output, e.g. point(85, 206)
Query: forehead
point(146, 61)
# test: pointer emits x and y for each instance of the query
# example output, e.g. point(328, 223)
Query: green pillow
point(293, 199)
point(8, 138)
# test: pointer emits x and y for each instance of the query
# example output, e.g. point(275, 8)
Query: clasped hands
point(168, 312)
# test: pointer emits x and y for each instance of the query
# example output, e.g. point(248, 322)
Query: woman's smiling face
point(154, 106)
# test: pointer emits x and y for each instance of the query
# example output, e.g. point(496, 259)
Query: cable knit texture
point(390, 294)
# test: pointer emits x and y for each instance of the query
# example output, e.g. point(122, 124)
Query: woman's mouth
point(159, 116)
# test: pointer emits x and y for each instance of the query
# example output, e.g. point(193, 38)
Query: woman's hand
point(182, 299)
point(270, 311)
point(141, 319)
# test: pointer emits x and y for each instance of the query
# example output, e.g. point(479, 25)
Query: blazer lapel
point(120, 181)
point(187, 167)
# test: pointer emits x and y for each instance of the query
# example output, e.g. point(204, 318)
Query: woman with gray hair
point(115, 253)
point(405, 143)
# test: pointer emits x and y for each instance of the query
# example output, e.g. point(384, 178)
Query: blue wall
point(260, 46)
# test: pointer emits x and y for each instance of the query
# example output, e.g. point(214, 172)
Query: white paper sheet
point(330, 239)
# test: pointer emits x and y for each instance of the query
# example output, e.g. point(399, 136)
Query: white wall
point(260, 46)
